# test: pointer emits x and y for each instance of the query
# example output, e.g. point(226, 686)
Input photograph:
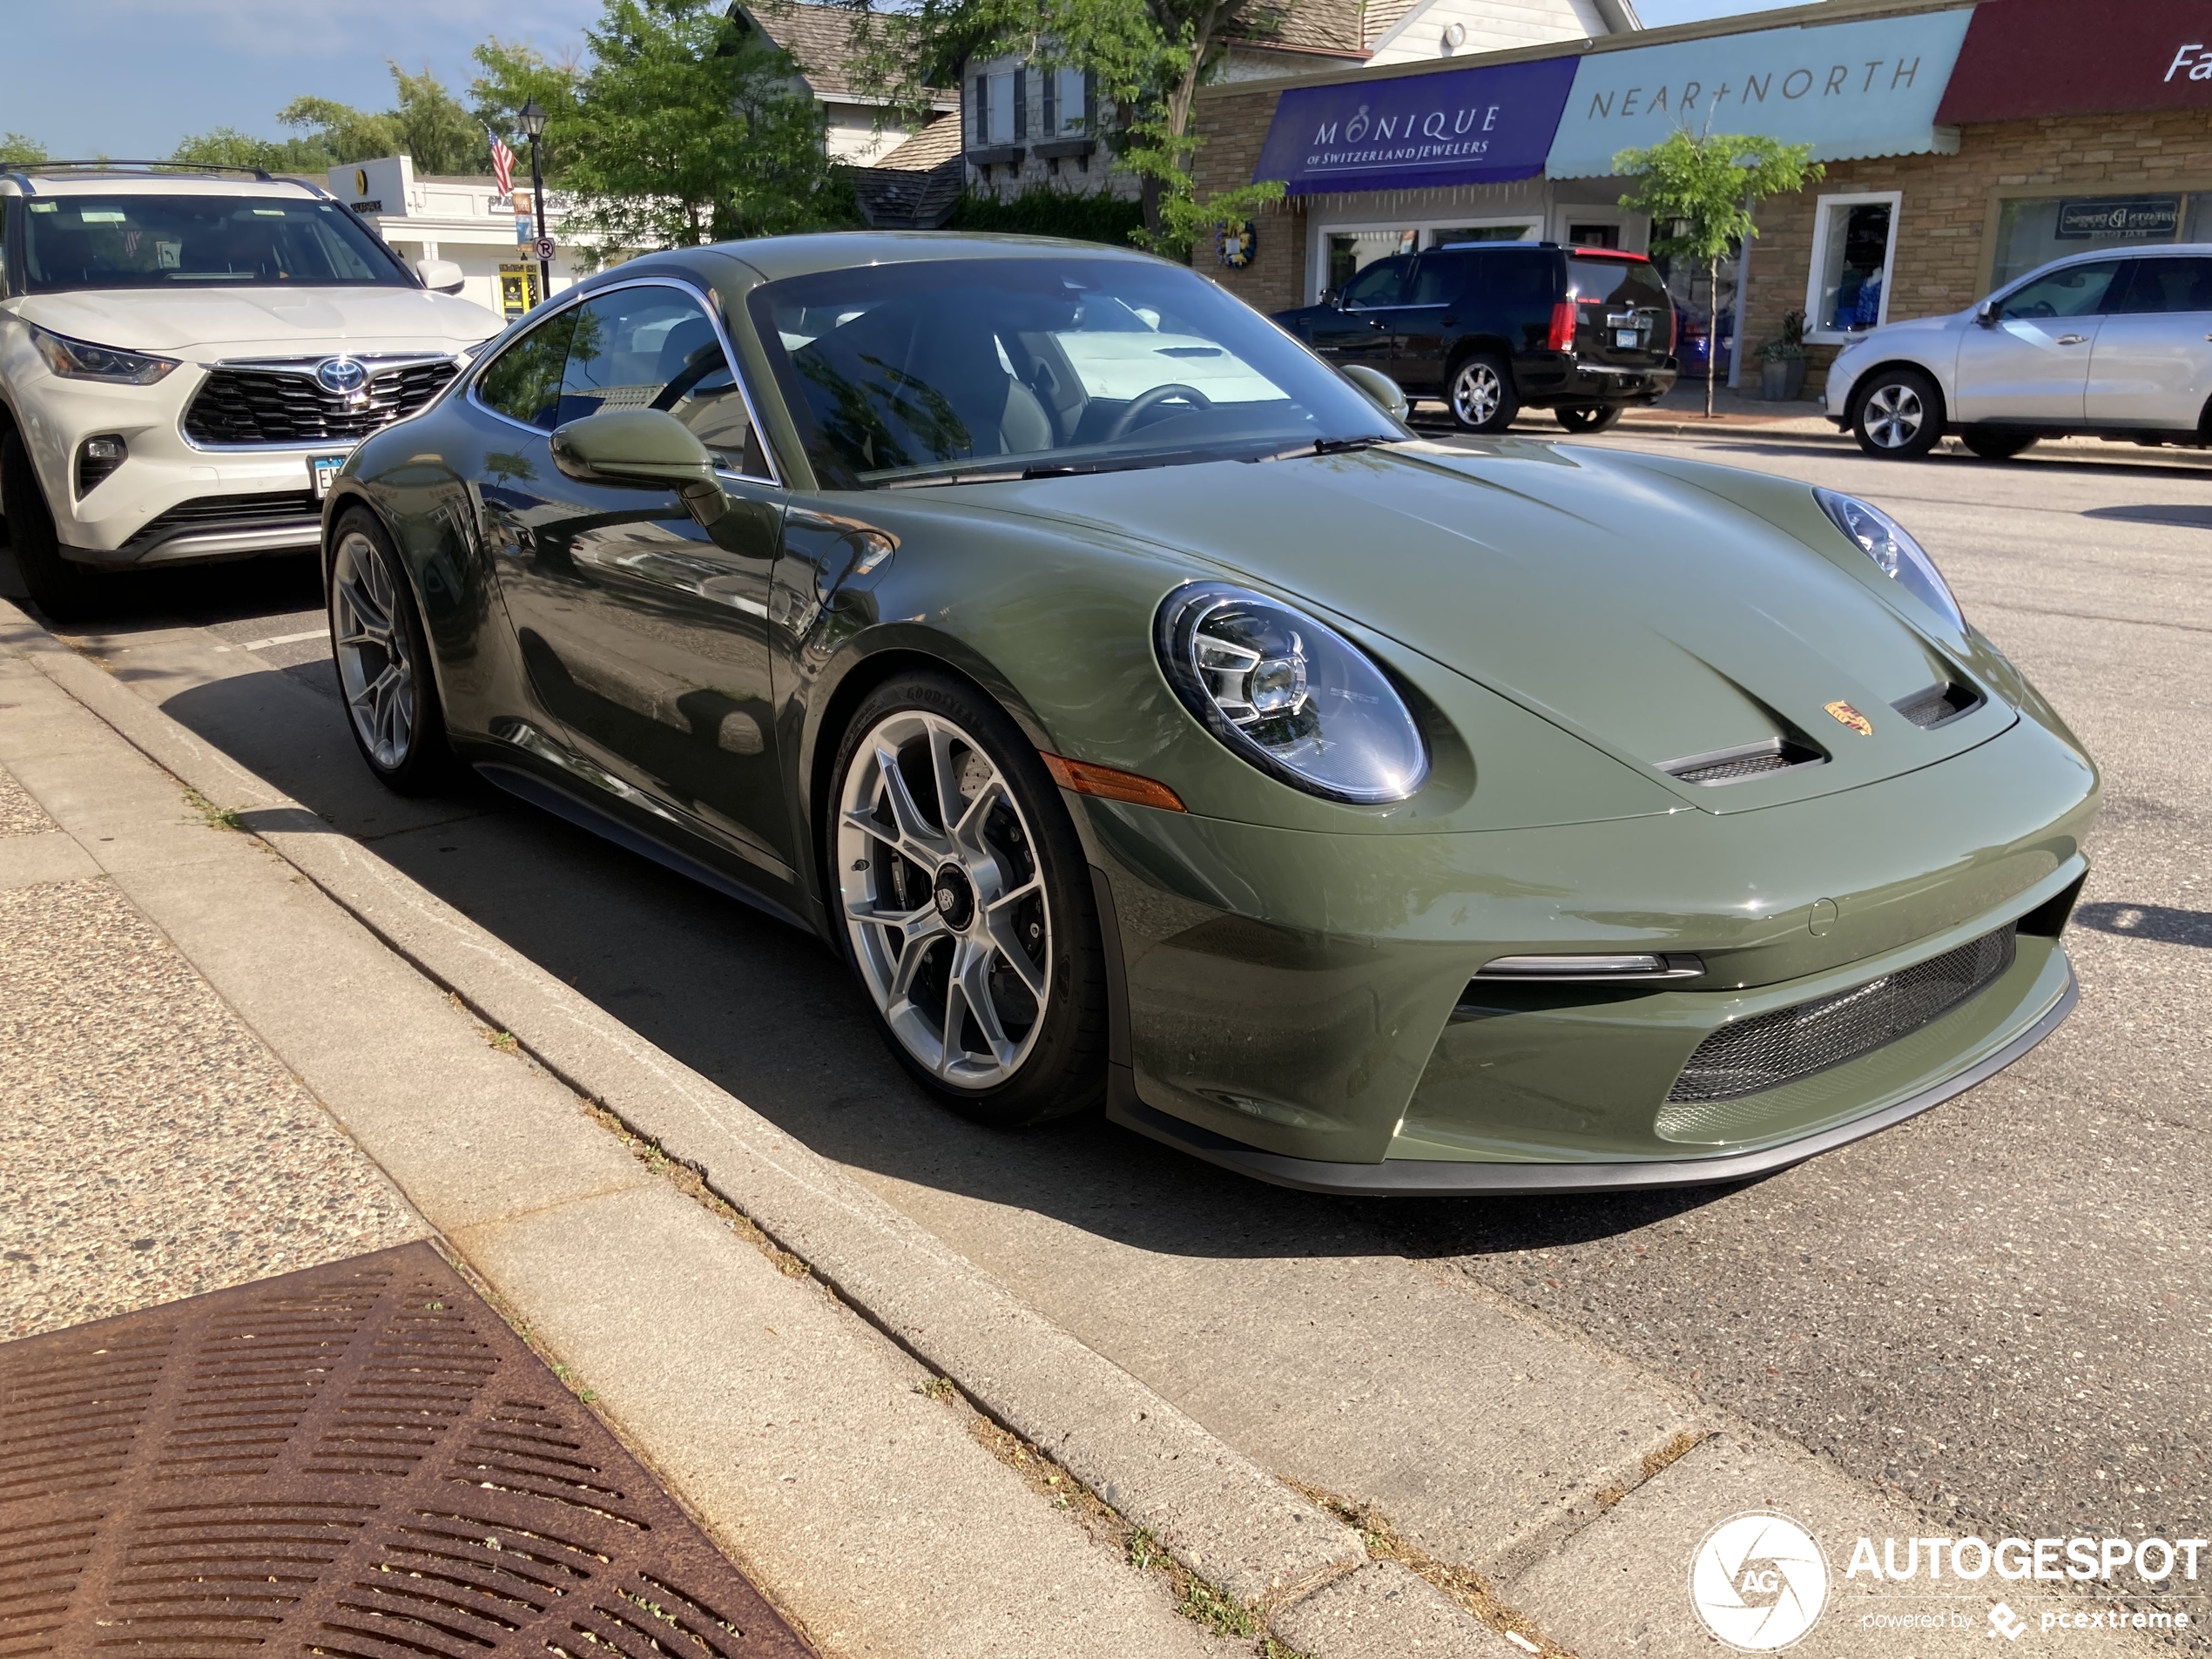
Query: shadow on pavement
point(2161, 923)
point(771, 1014)
point(2194, 518)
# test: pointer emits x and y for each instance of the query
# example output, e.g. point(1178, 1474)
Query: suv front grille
point(1769, 1049)
point(285, 405)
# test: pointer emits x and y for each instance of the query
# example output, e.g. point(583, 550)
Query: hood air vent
point(1939, 705)
point(1749, 760)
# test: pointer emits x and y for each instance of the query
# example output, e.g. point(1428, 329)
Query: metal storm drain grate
point(360, 1460)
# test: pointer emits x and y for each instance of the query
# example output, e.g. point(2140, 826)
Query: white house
point(466, 221)
point(863, 125)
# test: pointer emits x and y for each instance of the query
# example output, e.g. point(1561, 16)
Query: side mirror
point(1986, 313)
point(441, 276)
point(1382, 391)
point(644, 449)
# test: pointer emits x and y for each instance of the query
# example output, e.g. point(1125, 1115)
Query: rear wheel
point(964, 904)
point(1589, 417)
point(1481, 395)
point(1898, 415)
point(383, 661)
point(1996, 446)
point(63, 589)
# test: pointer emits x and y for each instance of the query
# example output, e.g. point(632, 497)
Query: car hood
point(200, 324)
point(1657, 609)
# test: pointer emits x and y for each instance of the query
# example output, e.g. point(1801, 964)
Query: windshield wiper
point(1325, 447)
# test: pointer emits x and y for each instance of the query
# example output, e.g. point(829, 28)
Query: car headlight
point(1290, 694)
point(1891, 547)
point(79, 359)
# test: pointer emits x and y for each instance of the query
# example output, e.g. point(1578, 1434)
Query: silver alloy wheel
point(1892, 414)
point(374, 668)
point(1476, 392)
point(944, 900)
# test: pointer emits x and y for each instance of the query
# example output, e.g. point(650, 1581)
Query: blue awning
point(1470, 126)
point(1848, 89)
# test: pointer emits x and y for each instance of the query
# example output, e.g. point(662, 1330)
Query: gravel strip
point(19, 815)
point(151, 1148)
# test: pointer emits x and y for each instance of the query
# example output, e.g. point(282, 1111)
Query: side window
point(2077, 291)
point(2174, 285)
point(652, 348)
point(1380, 284)
point(1440, 279)
point(524, 382)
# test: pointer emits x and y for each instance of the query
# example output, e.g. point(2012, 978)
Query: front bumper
point(1299, 1006)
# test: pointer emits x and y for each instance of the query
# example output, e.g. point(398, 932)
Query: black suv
point(1495, 327)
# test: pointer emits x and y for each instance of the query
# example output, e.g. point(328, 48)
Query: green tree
point(228, 147)
point(1702, 190)
point(682, 127)
point(344, 133)
point(18, 150)
point(507, 77)
point(1149, 56)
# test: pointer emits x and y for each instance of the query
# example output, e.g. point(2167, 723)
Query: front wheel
point(383, 661)
point(1481, 395)
point(1589, 418)
point(964, 905)
point(1899, 416)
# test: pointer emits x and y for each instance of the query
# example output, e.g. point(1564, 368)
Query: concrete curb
point(1215, 1511)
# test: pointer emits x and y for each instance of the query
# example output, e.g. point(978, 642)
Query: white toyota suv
point(2112, 344)
point(187, 357)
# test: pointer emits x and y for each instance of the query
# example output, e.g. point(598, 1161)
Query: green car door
point(644, 632)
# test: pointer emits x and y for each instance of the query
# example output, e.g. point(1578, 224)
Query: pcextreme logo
point(1758, 1581)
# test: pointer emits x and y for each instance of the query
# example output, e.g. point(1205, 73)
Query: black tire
point(376, 631)
point(62, 588)
point(1898, 414)
point(1480, 393)
point(1995, 445)
point(1589, 417)
point(1058, 1058)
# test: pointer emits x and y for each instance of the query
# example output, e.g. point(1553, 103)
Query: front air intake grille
point(275, 510)
point(1939, 705)
point(1769, 1049)
point(286, 406)
point(1752, 760)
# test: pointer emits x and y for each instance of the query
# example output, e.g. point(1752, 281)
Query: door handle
point(2078, 340)
point(1454, 322)
point(1377, 322)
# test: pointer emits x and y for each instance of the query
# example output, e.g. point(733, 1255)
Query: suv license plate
point(322, 469)
point(1628, 339)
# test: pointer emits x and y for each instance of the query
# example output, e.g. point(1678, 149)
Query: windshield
point(935, 370)
point(199, 241)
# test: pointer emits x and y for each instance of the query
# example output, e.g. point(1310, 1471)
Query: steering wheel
point(2041, 309)
point(1152, 400)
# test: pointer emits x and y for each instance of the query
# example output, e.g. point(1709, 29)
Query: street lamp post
point(533, 121)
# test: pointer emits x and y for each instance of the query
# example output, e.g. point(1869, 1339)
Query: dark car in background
point(1493, 328)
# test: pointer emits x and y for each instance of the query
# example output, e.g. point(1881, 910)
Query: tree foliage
point(1702, 191)
point(426, 122)
point(20, 150)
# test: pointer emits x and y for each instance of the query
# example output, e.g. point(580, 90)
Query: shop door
point(2030, 362)
point(2152, 364)
point(1359, 327)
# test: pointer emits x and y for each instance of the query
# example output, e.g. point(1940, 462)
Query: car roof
point(2131, 250)
point(776, 257)
point(94, 178)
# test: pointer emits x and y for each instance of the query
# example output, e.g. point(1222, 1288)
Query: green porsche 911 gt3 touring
point(1149, 718)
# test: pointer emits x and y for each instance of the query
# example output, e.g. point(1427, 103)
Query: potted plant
point(1782, 361)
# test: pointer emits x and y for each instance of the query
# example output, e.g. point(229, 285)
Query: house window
point(1002, 108)
point(1072, 102)
point(1854, 244)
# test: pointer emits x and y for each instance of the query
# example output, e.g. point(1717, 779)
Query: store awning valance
point(1869, 88)
point(1471, 127)
point(2039, 57)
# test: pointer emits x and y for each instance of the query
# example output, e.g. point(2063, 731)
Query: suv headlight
point(79, 359)
point(1891, 547)
point(1291, 695)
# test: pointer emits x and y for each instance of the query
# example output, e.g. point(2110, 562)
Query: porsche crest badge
point(1851, 718)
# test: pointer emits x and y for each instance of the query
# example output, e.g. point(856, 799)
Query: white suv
point(187, 357)
point(2115, 345)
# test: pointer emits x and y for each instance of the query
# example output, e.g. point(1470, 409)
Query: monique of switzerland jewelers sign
point(1469, 126)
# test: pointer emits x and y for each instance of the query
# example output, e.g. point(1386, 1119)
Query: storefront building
point(1962, 144)
point(469, 221)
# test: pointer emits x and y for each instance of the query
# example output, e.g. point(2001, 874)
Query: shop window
point(1854, 244)
point(1518, 230)
point(1594, 236)
point(2035, 230)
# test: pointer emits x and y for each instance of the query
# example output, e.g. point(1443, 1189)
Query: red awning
point(2032, 57)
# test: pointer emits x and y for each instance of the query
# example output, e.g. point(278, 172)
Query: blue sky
point(132, 76)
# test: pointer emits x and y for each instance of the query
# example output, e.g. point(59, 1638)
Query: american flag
point(502, 162)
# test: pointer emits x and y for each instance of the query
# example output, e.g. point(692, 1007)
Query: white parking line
point(280, 639)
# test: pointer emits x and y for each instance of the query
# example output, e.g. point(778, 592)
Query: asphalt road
point(1998, 1310)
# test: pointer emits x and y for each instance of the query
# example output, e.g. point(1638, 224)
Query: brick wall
point(1234, 124)
point(1949, 202)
